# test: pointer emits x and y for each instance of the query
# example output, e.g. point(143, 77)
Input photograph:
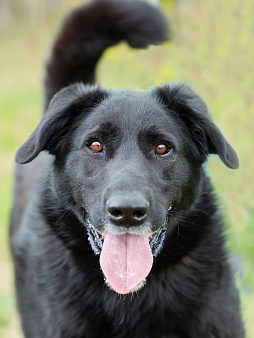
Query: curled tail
point(90, 29)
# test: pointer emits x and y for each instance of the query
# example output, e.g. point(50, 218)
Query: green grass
point(212, 50)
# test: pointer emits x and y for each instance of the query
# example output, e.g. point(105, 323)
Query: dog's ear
point(65, 107)
point(188, 106)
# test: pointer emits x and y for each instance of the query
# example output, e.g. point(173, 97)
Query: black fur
point(190, 291)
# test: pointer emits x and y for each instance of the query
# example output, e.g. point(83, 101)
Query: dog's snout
point(127, 210)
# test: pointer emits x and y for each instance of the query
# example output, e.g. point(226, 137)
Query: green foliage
point(212, 50)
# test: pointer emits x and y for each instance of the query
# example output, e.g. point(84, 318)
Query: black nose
point(127, 209)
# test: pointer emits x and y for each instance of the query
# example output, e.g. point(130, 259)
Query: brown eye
point(96, 146)
point(161, 149)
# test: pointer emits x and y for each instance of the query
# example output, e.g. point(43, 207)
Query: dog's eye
point(96, 146)
point(162, 149)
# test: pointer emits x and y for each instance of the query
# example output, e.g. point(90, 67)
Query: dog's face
point(124, 161)
point(130, 165)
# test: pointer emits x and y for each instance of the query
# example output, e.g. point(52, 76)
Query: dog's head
point(124, 161)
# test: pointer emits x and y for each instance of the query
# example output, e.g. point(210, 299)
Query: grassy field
point(212, 50)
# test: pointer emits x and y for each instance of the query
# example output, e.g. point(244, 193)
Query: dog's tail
point(90, 29)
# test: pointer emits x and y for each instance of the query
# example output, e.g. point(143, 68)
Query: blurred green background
point(212, 50)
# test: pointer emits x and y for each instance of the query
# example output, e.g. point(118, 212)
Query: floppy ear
point(65, 107)
point(186, 104)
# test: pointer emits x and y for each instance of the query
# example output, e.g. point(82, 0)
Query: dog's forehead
point(131, 110)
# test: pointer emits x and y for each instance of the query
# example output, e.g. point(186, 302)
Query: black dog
point(121, 204)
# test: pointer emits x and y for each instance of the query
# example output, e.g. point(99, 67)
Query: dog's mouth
point(96, 239)
point(126, 259)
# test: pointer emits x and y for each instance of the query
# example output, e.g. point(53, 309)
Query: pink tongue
point(125, 261)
